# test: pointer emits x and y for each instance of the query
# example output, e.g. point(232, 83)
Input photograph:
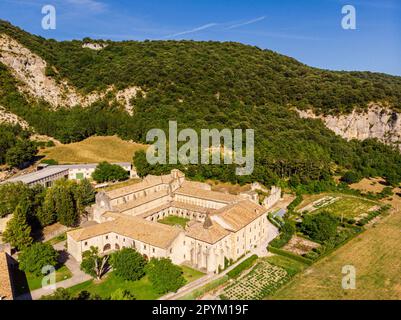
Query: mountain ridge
point(208, 85)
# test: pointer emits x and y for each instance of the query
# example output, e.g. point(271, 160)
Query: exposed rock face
point(30, 70)
point(377, 122)
point(11, 118)
point(94, 46)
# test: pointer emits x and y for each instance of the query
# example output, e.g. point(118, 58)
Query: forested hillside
point(207, 85)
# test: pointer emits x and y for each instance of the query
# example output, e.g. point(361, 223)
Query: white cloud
point(246, 23)
point(204, 27)
point(92, 5)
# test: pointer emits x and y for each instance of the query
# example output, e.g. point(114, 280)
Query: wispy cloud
point(238, 25)
point(92, 5)
point(204, 27)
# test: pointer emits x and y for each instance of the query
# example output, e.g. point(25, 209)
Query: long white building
point(221, 226)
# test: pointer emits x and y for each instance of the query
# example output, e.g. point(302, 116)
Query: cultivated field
point(375, 185)
point(92, 150)
point(338, 204)
point(376, 255)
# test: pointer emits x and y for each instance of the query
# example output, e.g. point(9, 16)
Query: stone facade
point(221, 226)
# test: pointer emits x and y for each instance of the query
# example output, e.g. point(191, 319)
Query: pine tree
point(18, 232)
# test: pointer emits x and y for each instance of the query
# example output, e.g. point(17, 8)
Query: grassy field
point(93, 149)
point(141, 289)
point(347, 205)
point(173, 220)
point(376, 256)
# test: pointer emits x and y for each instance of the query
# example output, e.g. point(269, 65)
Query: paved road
point(77, 277)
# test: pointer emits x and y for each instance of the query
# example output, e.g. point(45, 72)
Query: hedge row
point(246, 264)
point(290, 255)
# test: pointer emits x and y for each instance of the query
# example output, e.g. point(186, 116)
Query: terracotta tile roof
point(148, 182)
point(135, 203)
point(211, 235)
point(6, 291)
point(238, 215)
point(153, 233)
point(191, 207)
point(207, 194)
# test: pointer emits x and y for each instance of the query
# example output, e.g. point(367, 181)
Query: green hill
point(213, 85)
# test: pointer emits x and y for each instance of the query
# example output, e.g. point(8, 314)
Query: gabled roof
point(238, 215)
point(207, 194)
point(209, 233)
point(152, 233)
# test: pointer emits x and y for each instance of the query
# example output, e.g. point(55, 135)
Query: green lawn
point(191, 274)
point(173, 220)
point(25, 283)
point(141, 289)
point(35, 282)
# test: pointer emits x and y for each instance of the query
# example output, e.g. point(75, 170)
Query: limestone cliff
point(376, 122)
point(30, 70)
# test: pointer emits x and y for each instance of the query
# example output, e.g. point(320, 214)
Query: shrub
point(34, 258)
point(351, 177)
point(128, 264)
point(244, 265)
point(286, 234)
point(290, 255)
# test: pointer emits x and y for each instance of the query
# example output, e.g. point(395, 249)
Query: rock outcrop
point(11, 118)
point(376, 122)
point(30, 70)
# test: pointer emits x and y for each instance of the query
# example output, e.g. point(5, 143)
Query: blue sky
point(309, 30)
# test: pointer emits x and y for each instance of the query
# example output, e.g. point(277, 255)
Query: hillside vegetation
point(212, 85)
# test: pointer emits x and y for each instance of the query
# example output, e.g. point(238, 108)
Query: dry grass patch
point(300, 246)
point(93, 150)
point(375, 185)
point(376, 255)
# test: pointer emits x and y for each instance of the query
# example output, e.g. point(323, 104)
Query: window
point(171, 250)
point(124, 240)
point(144, 246)
point(184, 243)
point(107, 237)
point(86, 243)
point(116, 237)
point(153, 250)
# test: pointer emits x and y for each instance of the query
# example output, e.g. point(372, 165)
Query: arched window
point(117, 246)
point(107, 247)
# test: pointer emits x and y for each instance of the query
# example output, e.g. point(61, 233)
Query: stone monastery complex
point(221, 226)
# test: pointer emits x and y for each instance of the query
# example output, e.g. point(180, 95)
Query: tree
point(351, 177)
point(109, 172)
point(121, 294)
point(23, 151)
point(35, 257)
point(60, 203)
point(84, 193)
point(164, 275)
point(18, 232)
point(320, 227)
point(128, 264)
point(12, 194)
point(94, 265)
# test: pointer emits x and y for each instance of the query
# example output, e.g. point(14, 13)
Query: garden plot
point(300, 246)
point(263, 280)
point(318, 204)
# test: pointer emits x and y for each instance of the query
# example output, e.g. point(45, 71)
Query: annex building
point(221, 226)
